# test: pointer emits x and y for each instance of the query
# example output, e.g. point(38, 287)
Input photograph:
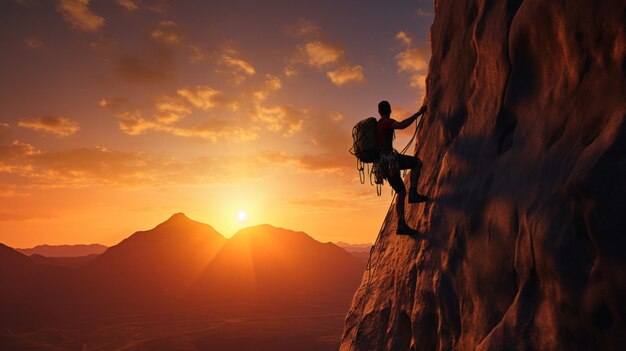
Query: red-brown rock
point(523, 245)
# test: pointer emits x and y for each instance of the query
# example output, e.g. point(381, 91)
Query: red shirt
point(384, 134)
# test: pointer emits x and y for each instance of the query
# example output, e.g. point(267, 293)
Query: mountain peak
point(178, 217)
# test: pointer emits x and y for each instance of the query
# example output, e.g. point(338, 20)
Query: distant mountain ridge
point(181, 264)
point(64, 250)
point(365, 247)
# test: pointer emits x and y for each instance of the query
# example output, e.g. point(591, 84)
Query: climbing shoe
point(415, 197)
point(404, 229)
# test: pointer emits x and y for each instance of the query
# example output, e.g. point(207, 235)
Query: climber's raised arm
point(409, 120)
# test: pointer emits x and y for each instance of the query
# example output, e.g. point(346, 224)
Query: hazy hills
point(64, 250)
point(180, 264)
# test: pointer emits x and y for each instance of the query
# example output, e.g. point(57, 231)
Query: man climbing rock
point(390, 163)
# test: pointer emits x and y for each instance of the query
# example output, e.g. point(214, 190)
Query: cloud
point(214, 130)
point(132, 123)
point(101, 167)
point(61, 126)
point(346, 74)
point(424, 13)
point(235, 67)
point(158, 6)
point(171, 109)
point(327, 56)
point(79, 16)
point(285, 118)
point(412, 61)
point(188, 113)
point(272, 84)
point(319, 54)
point(198, 54)
point(238, 64)
point(404, 38)
point(34, 43)
point(206, 98)
point(165, 33)
point(290, 71)
point(17, 149)
point(116, 104)
point(128, 5)
point(167, 37)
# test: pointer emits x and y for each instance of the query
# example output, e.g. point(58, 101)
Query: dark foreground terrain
point(186, 330)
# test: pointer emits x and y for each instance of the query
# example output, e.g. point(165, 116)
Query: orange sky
point(117, 114)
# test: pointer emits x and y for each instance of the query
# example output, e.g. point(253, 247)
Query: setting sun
point(242, 215)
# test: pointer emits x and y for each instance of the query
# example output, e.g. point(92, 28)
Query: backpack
point(365, 145)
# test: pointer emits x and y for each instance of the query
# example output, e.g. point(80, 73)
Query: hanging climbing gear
point(383, 168)
point(365, 148)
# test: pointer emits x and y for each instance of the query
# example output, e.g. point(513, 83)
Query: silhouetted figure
point(390, 163)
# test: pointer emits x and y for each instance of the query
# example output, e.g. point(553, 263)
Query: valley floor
point(186, 331)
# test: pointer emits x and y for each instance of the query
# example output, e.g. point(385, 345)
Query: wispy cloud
point(346, 74)
point(168, 110)
point(198, 54)
point(319, 54)
point(166, 33)
point(412, 61)
point(234, 67)
point(79, 16)
point(285, 119)
point(100, 166)
point(423, 13)
point(16, 150)
point(60, 126)
point(281, 118)
point(238, 64)
point(128, 5)
point(206, 98)
point(214, 129)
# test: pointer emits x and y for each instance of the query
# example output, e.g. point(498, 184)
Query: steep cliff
point(523, 244)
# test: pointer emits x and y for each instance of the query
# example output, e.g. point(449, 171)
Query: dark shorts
point(404, 162)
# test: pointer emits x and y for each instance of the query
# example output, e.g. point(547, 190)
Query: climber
point(391, 162)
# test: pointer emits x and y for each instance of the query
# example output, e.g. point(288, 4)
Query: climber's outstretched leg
point(415, 165)
point(398, 186)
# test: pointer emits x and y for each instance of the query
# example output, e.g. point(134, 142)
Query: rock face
point(524, 152)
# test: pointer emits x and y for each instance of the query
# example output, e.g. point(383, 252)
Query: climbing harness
point(384, 165)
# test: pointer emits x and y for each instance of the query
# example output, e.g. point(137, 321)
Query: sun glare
point(242, 215)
